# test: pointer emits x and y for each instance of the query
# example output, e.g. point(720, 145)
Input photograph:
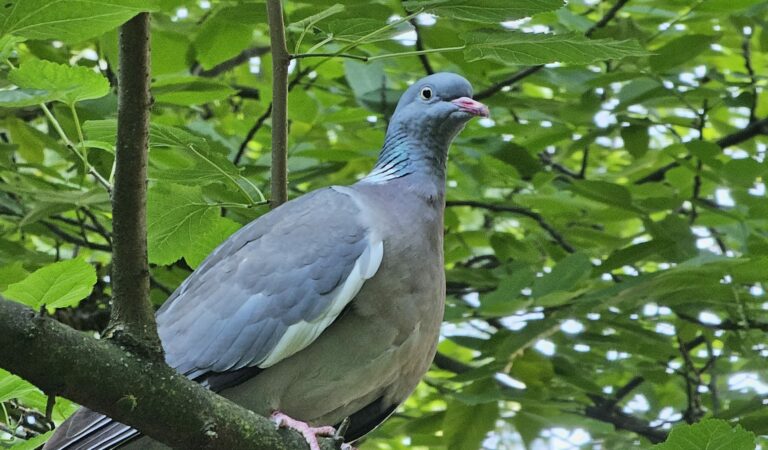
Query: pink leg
point(310, 433)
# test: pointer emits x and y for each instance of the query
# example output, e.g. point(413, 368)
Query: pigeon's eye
point(426, 93)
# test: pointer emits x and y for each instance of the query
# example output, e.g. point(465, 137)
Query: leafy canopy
point(606, 236)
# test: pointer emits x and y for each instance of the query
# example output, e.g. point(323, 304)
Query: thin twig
point(423, 59)
point(528, 71)
point(66, 237)
point(746, 52)
point(231, 63)
point(280, 60)
point(264, 116)
point(517, 76)
point(607, 17)
point(517, 210)
point(757, 128)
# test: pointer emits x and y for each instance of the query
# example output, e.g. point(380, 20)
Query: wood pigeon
point(330, 305)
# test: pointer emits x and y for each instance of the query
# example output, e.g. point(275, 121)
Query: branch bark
point(280, 60)
point(145, 394)
point(133, 318)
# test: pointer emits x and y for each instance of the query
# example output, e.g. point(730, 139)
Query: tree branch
point(528, 71)
point(604, 410)
point(133, 317)
point(231, 63)
point(251, 133)
point(521, 211)
point(607, 17)
point(517, 76)
point(130, 388)
point(756, 128)
point(63, 235)
point(280, 60)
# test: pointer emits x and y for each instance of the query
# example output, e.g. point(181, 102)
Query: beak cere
point(473, 107)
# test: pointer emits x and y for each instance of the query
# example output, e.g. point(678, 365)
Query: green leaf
point(486, 11)
point(227, 32)
point(680, 50)
point(33, 443)
point(313, 19)
point(59, 285)
point(465, 426)
point(12, 386)
point(510, 47)
point(68, 20)
point(635, 139)
point(568, 271)
point(12, 273)
point(63, 82)
point(181, 224)
point(188, 90)
point(607, 193)
point(711, 434)
point(17, 98)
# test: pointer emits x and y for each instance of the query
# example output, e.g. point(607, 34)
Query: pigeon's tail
point(89, 430)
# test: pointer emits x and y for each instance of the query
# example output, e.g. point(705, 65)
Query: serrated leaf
point(510, 47)
point(181, 224)
point(486, 11)
point(711, 434)
point(58, 285)
point(64, 83)
point(68, 20)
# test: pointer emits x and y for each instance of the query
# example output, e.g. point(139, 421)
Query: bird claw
point(309, 433)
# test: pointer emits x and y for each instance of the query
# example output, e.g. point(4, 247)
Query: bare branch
point(521, 211)
point(757, 128)
point(231, 63)
point(280, 60)
point(528, 71)
point(132, 314)
point(607, 17)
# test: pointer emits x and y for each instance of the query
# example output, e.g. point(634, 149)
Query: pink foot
point(310, 433)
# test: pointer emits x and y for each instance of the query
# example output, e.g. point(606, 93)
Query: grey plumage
point(329, 306)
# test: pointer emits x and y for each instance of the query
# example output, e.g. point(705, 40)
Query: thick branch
point(132, 313)
point(280, 60)
point(147, 395)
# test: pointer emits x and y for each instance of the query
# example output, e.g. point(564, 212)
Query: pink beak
point(473, 107)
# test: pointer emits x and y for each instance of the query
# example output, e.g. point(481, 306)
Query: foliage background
point(606, 229)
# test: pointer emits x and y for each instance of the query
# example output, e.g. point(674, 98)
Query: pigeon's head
point(439, 103)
